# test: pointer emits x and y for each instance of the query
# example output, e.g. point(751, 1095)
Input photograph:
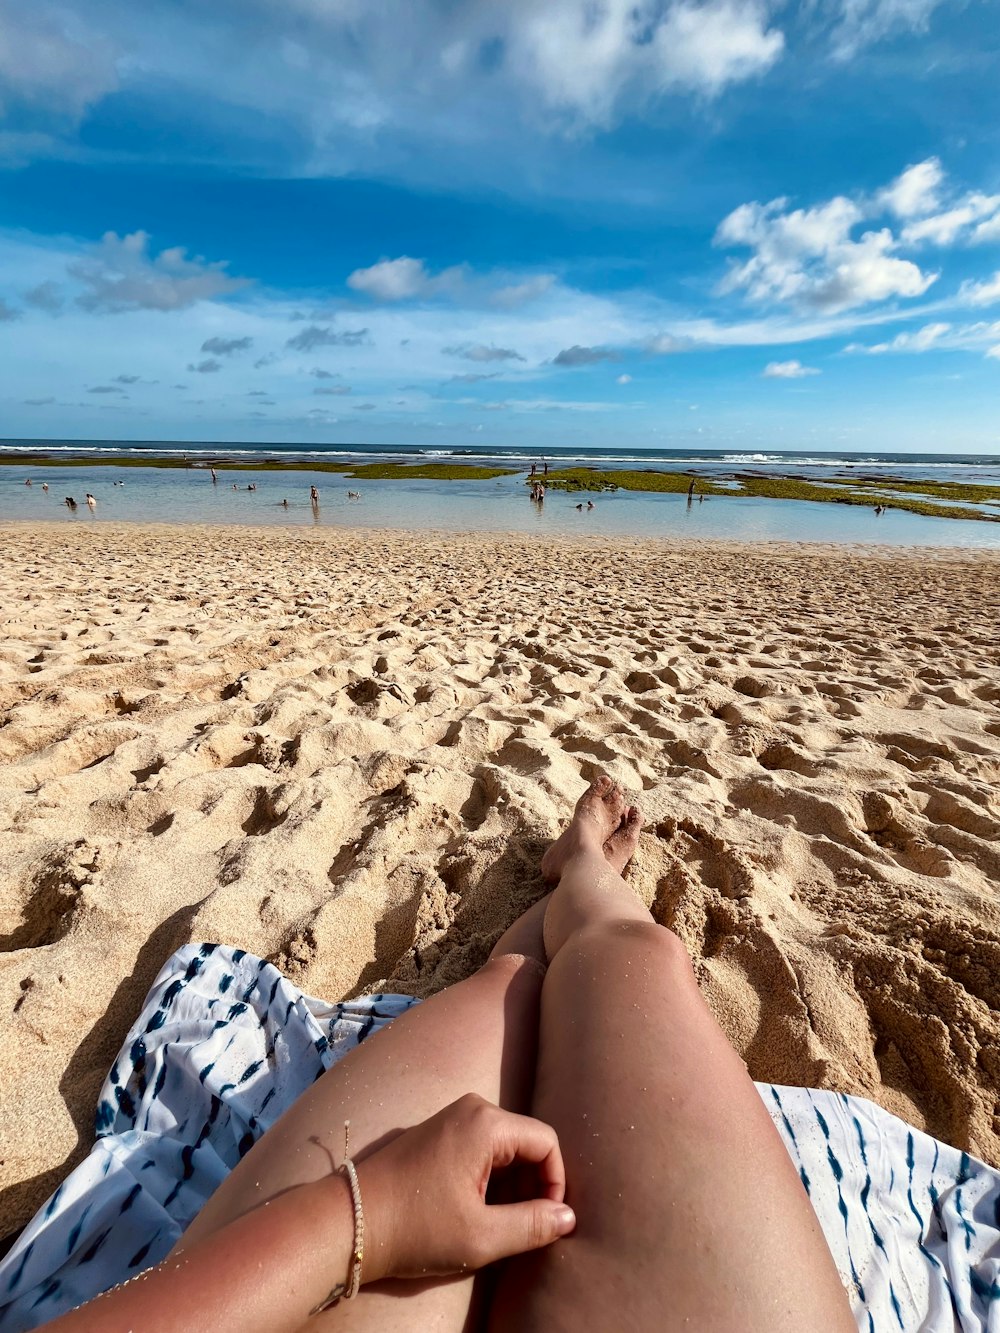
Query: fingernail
point(565, 1220)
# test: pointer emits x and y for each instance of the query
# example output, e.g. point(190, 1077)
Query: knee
point(626, 941)
point(506, 969)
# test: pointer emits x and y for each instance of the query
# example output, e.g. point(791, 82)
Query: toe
point(614, 800)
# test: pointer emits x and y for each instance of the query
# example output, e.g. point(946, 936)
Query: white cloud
point(402, 279)
point(981, 293)
point(787, 370)
point(915, 191)
point(52, 60)
point(119, 274)
point(994, 352)
point(592, 61)
point(808, 257)
point(624, 379)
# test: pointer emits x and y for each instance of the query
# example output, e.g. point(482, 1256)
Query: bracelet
point(352, 1286)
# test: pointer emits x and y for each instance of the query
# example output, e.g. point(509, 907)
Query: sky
point(737, 224)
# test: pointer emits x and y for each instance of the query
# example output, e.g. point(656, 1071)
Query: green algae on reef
point(787, 488)
point(592, 479)
point(357, 471)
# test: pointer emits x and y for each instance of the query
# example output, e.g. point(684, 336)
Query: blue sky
point(724, 223)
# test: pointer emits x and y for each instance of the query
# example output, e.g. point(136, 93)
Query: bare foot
point(620, 847)
point(602, 820)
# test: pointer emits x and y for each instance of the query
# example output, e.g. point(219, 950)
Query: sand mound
point(346, 752)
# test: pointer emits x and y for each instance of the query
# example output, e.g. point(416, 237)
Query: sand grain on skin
point(347, 751)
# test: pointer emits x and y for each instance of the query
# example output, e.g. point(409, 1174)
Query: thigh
point(477, 1036)
point(689, 1212)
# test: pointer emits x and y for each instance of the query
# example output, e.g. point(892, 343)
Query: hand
point(424, 1193)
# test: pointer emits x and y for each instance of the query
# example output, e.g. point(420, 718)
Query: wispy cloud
point(207, 367)
point(46, 296)
point(935, 338)
point(482, 352)
point(226, 346)
point(584, 356)
point(314, 336)
point(860, 23)
point(981, 293)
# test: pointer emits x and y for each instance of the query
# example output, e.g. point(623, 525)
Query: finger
point(513, 1228)
point(522, 1138)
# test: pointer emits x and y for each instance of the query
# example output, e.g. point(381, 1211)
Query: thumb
point(517, 1227)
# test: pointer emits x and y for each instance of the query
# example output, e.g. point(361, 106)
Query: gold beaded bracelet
point(352, 1286)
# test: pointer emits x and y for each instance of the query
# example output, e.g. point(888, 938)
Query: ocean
point(188, 495)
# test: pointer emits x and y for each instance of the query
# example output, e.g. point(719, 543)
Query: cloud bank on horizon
point(542, 221)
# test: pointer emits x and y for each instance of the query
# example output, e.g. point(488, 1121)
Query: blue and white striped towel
point(225, 1044)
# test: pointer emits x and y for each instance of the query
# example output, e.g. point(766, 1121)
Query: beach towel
point(225, 1043)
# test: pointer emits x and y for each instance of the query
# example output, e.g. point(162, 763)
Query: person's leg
point(690, 1214)
point(477, 1036)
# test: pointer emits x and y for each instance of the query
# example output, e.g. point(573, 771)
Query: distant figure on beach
point(252, 487)
point(91, 502)
point(28, 482)
point(580, 507)
point(591, 505)
point(880, 510)
point(45, 485)
point(533, 466)
point(314, 495)
point(70, 502)
point(284, 504)
point(545, 466)
point(214, 477)
point(354, 495)
point(235, 487)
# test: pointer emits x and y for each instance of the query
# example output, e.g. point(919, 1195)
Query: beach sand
point(346, 751)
